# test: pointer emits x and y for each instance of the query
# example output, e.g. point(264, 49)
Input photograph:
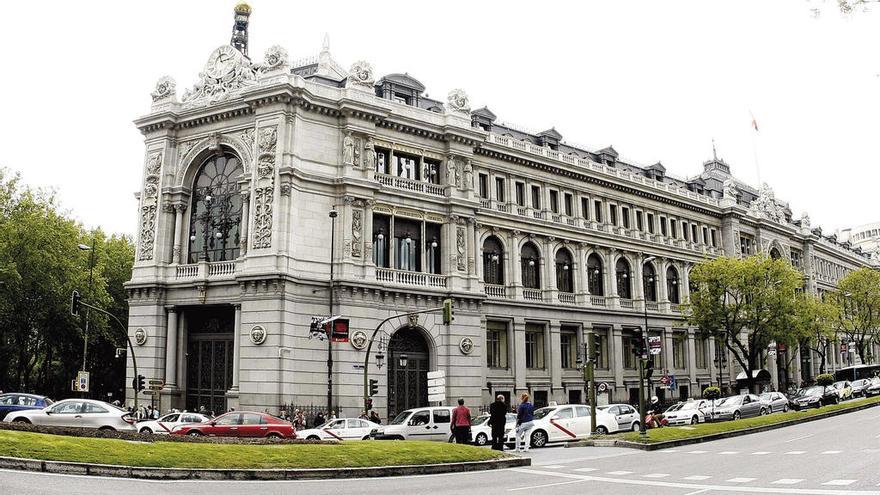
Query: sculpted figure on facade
point(348, 149)
point(151, 179)
point(226, 73)
point(165, 89)
point(276, 58)
point(468, 176)
point(730, 190)
point(765, 206)
point(148, 231)
point(369, 154)
point(457, 101)
point(360, 76)
point(460, 248)
point(356, 228)
point(264, 191)
point(268, 139)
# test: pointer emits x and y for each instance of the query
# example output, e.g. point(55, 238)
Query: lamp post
point(333, 215)
point(643, 431)
point(91, 250)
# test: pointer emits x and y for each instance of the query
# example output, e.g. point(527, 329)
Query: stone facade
point(432, 198)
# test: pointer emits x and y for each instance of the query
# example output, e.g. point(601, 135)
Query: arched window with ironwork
point(493, 261)
point(530, 259)
point(672, 285)
point(564, 271)
point(594, 275)
point(650, 282)
point(623, 279)
point(215, 210)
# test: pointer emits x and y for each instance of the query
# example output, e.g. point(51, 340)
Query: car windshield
point(690, 405)
point(540, 413)
point(479, 421)
point(732, 401)
point(814, 392)
point(400, 419)
point(767, 396)
point(675, 407)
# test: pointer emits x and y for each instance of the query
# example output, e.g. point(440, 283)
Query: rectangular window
point(640, 224)
point(568, 347)
point(624, 214)
point(534, 346)
point(694, 235)
point(679, 346)
point(520, 194)
point(585, 208)
point(673, 228)
point(568, 205)
point(554, 201)
point(499, 189)
point(597, 214)
point(663, 231)
point(650, 223)
point(684, 230)
point(431, 171)
point(600, 338)
point(382, 160)
point(406, 166)
point(496, 344)
point(700, 350)
point(536, 197)
point(629, 359)
point(705, 235)
point(714, 237)
point(484, 186)
point(612, 210)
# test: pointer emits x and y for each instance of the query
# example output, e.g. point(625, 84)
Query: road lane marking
point(545, 485)
point(740, 480)
point(796, 452)
point(655, 475)
point(697, 452)
point(696, 492)
point(585, 470)
point(787, 481)
point(839, 482)
point(728, 452)
point(696, 478)
point(799, 438)
point(553, 466)
point(760, 453)
point(619, 473)
point(832, 452)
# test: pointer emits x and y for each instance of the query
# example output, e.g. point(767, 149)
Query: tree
point(857, 305)
point(745, 303)
point(845, 6)
point(812, 326)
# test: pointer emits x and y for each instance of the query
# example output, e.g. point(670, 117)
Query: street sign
point(150, 392)
point(664, 379)
point(852, 347)
point(436, 374)
point(771, 352)
point(436, 390)
point(357, 366)
point(654, 343)
point(602, 387)
point(82, 381)
point(436, 398)
point(154, 381)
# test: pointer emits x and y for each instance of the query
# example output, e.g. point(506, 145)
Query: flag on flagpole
point(754, 122)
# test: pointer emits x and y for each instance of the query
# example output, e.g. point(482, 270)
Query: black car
point(809, 397)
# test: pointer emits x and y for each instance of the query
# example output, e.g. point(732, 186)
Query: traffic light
point(638, 347)
point(369, 404)
point(138, 383)
point(374, 388)
point(597, 348)
point(74, 303)
point(649, 370)
point(448, 313)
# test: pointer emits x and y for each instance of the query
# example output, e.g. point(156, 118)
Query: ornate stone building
point(537, 240)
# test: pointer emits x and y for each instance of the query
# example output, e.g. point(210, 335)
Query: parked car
point(874, 388)
point(860, 387)
point(739, 406)
point(421, 423)
point(340, 429)
point(166, 424)
point(81, 413)
point(482, 432)
point(688, 413)
point(844, 389)
point(568, 423)
point(12, 402)
point(775, 402)
point(239, 424)
point(817, 396)
point(616, 417)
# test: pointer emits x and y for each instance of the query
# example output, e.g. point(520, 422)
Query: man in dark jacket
point(497, 420)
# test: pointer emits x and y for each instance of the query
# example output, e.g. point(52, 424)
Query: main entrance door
point(407, 371)
point(209, 357)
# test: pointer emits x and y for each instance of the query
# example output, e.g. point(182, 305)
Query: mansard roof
point(404, 79)
point(608, 151)
point(485, 112)
point(551, 133)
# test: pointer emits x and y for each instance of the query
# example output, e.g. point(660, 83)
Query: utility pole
point(91, 250)
point(333, 215)
point(589, 371)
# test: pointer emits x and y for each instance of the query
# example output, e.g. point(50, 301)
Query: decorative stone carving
point(247, 137)
point(165, 89)
point(358, 148)
point(765, 206)
point(358, 340)
point(356, 233)
point(285, 189)
point(148, 231)
point(167, 207)
point(151, 181)
point(805, 220)
point(268, 139)
point(466, 345)
point(730, 190)
point(360, 76)
point(275, 58)
point(369, 154)
point(457, 101)
point(263, 197)
point(266, 166)
point(460, 248)
point(348, 149)
point(258, 334)
point(264, 190)
point(468, 176)
point(453, 173)
point(226, 73)
point(140, 336)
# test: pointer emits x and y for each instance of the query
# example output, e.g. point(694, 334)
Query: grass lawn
point(678, 432)
point(205, 455)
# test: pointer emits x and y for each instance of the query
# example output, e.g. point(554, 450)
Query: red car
point(240, 424)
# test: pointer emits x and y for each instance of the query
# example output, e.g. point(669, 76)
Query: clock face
point(222, 62)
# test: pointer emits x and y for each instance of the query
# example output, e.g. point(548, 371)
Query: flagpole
point(755, 147)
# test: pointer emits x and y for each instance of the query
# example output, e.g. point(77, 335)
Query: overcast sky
point(656, 79)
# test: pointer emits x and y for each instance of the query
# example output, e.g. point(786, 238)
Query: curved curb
point(718, 436)
point(156, 473)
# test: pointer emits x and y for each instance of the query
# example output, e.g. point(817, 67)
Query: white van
point(420, 423)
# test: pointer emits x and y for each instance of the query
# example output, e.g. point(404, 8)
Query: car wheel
point(763, 412)
point(785, 408)
point(274, 435)
point(146, 431)
point(736, 415)
point(601, 430)
point(21, 420)
point(195, 433)
point(539, 439)
point(106, 428)
point(695, 420)
point(481, 439)
point(312, 437)
point(635, 426)
point(366, 437)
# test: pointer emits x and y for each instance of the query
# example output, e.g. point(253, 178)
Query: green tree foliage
point(812, 326)
point(41, 343)
point(744, 303)
point(825, 380)
point(857, 306)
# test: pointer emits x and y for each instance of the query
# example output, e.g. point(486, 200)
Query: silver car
point(688, 413)
point(739, 406)
point(81, 413)
point(775, 402)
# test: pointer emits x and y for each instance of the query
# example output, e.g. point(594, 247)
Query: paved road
point(828, 457)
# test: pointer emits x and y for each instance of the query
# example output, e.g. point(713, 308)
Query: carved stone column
point(692, 359)
point(515, 271)
point(579, 271)
point(236, 349)
point(245, 220)
point(610, 273)
point(662, 293)
point(171, 349)
point(684, 283)
point(179, 234)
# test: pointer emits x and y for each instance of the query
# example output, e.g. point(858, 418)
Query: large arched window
point(493, 261)
point(624, 285)
point(530, 259)
point(774, 253)
point(672, 285)
point(564, 271)
point(215, 212)
point(594, 275)
point(650, 281)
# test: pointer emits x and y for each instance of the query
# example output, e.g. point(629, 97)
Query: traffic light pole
point(589, 371)
point(127, 338)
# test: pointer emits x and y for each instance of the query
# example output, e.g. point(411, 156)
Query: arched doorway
point(408, 367)
point(209, 354)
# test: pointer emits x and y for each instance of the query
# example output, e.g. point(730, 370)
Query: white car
point(616, 417)
point(80, 413)
point(421, 423)
point(482, 432)
point(565, 424)
point(690, 412)
point(340, 429)
point(165, 424)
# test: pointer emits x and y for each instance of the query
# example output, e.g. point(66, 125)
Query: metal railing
point(405, 277)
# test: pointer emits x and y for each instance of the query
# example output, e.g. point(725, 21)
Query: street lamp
point(643, 431)
point(403, 360)
point(333, 215)
point(91, 250)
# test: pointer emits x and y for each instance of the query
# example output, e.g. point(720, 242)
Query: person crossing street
point(525, 421)
point(461, 423)
point(497, 420)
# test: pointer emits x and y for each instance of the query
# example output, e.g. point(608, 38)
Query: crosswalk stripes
point(787, 481)
point(796, 452)
point(696, 477)
point(619, 473)
point(655, 475)
point(740, 480)
point(839, 482)
point(586, 470)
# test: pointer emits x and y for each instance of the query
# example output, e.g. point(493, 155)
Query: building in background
point(864, 237)
point(537, 240)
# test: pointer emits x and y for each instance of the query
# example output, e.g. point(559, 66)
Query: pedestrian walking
point(374, 417)
point(497, 420)
point(332, 415)
point(461, 423)
point(525, 421)
point(319, 419)
point(364, 415)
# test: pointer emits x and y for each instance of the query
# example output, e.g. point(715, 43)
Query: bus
point(857, 372)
